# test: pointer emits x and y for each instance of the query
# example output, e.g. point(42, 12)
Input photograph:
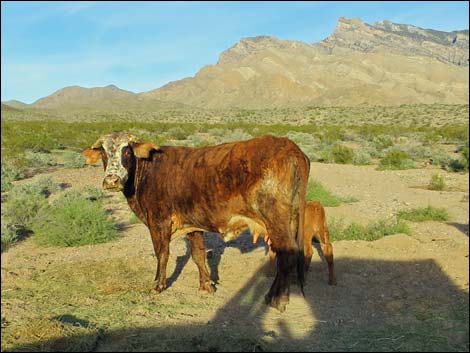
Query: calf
point(315, 225)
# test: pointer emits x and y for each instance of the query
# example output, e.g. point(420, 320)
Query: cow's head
point(118, 152)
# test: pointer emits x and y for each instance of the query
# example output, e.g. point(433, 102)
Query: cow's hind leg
point(278, 295)
point(198, 253)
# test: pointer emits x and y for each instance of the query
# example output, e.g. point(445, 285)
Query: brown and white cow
point(315, 225)
point(258, 184)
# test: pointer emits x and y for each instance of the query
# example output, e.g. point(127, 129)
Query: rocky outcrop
point(448, 47)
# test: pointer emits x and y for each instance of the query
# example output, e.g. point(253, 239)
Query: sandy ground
point(385, 282)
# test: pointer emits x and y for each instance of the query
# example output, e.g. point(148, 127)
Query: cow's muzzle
point(112, 183)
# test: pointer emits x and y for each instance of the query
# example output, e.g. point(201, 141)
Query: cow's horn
point(98, 143)
point(132, 138)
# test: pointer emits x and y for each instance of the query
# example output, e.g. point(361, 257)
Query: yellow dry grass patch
point(50, 334)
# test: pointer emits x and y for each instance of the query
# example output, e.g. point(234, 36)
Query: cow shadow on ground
point(215, 248)
point(464, 228)
point(377, 306)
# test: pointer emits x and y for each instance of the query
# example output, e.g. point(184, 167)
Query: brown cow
point(315, 225)
point(258, 184)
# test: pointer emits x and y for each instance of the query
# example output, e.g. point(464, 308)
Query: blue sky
point(139, 46)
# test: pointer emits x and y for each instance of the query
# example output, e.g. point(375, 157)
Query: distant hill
point(101, 99)
point(6, 107)
point(15, 104)
point(380, 64)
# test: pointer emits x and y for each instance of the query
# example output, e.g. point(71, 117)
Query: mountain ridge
point(380, 64)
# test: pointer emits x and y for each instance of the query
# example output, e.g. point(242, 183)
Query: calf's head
point(118, 152)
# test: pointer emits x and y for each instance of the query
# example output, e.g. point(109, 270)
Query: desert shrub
point(419, 152)
point(464, 159)
point(177, 133)
point(317, 192)
point(373, 231)
point(235, 135)
point(9, 235)
point(342, 154)
point(196, 141)
point(44, 186)
point(396, 160)
point(431, 138)
point(429, 213)
point(362, 157)
point(9, 174)
point(74, 220)
point(40, 159)
point(325, 153)
point(441, 158)
point(23, 204)
point(437, 182)
point(92, 193)
point(301, 138)
point(311, 152)
point(382, 142)
point(73, 159)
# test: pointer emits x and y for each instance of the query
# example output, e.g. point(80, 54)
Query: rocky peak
point(251, 45)
point(450, 47)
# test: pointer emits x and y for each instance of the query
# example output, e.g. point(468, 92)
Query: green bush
point(39, 159)
point(437, 182)
point(9, 235)
point(74, 220)
point(44, 186)
point(73, 160)
point(396, 160)
point(441, 158)
point(382, 142)
point(362, 158)
point(373, 231)
point(23, 204)
point(342, 154)
point(9, 174)
point(429, 213)
point(93, 193)
point(317, 192)
point(177, 133)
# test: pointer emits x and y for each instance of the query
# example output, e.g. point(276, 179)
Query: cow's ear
point(92, 155)
point(143, 150)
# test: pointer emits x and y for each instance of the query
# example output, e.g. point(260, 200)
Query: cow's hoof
point(278, 303)
point(207, 287)
point(332, 282)
point(160, 288)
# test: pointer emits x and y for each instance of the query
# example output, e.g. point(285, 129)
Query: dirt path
point(389, 291)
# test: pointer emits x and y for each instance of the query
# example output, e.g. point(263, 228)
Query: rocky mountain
point(448, 47)
point(358, 64)
point(383, 64)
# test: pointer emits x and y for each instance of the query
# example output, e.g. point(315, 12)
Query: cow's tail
point(301, 181)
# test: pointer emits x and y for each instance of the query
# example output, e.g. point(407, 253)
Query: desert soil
point(387, 289)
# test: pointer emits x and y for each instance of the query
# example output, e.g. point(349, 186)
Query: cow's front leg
point(161, 245)
point(198, 253)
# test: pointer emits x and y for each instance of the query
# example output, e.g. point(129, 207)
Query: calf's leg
point(327, 250)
